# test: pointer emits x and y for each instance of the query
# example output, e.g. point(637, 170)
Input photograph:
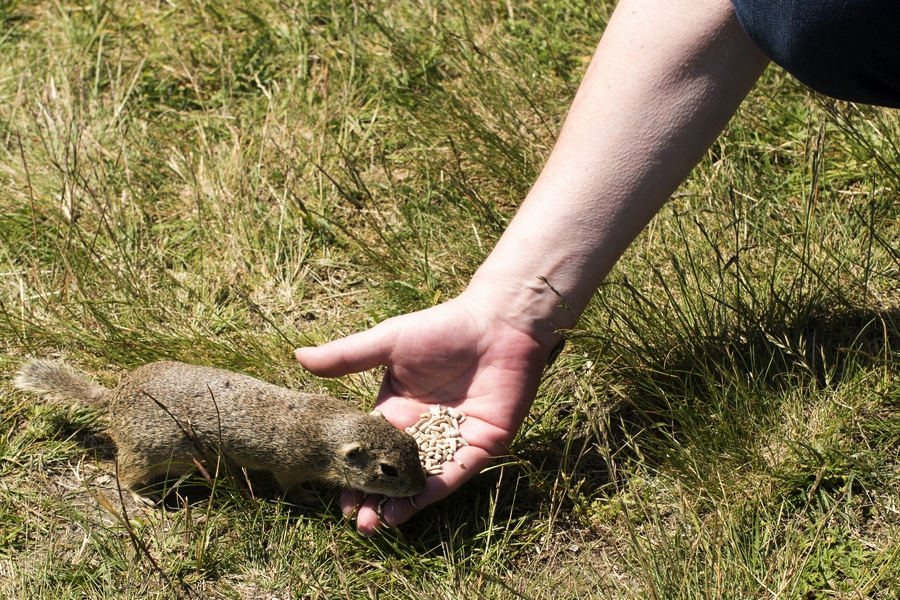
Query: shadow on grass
point(820, 348)
point(702, 411)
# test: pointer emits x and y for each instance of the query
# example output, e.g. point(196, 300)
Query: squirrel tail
point(57, 382)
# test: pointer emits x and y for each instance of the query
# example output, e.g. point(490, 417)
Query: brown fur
point(164, 415)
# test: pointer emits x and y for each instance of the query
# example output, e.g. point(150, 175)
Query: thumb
point(352, 354)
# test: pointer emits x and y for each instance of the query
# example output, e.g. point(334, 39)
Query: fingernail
point(364, 534)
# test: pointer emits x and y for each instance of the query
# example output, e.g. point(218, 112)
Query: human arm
point(665, 79)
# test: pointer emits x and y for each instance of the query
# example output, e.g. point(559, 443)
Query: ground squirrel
point(161, 412)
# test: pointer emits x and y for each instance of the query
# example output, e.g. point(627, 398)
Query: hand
point(460, 354)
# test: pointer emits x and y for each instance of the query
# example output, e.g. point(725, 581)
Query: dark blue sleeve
point(847, 49)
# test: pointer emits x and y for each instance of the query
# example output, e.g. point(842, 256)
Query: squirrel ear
point(350, 449)
point(376, 413)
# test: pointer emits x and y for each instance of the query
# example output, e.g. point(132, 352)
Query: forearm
point(664, 81)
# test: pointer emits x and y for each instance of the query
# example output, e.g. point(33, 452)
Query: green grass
point(221, 183)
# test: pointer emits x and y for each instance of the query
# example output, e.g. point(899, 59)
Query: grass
point(220, 183)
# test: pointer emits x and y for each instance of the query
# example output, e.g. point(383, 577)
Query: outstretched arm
point(664, 81)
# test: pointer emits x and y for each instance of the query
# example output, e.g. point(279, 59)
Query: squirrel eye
point(388, 470)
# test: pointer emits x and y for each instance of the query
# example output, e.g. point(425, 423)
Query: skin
point(663, 83)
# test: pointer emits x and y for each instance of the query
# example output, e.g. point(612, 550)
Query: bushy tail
point(57, 382)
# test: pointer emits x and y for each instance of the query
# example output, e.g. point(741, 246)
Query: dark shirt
point(847, 49)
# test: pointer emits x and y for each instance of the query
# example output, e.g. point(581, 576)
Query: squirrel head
point(382, 460)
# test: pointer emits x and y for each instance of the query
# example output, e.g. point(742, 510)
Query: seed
point(438, 437)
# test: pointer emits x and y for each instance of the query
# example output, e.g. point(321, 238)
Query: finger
point(352, 354)
point(399, 510)
point(362, 507)
point(367, 518)
point(468, 463)
point(350, 500)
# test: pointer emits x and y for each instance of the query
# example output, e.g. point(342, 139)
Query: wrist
point(529, 303)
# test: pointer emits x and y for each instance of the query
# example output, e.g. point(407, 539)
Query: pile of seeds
point(437, 434)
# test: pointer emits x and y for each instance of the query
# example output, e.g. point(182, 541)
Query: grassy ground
point(220, 183)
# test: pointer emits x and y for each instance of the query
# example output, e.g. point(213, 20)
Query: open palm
point(457, 355)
